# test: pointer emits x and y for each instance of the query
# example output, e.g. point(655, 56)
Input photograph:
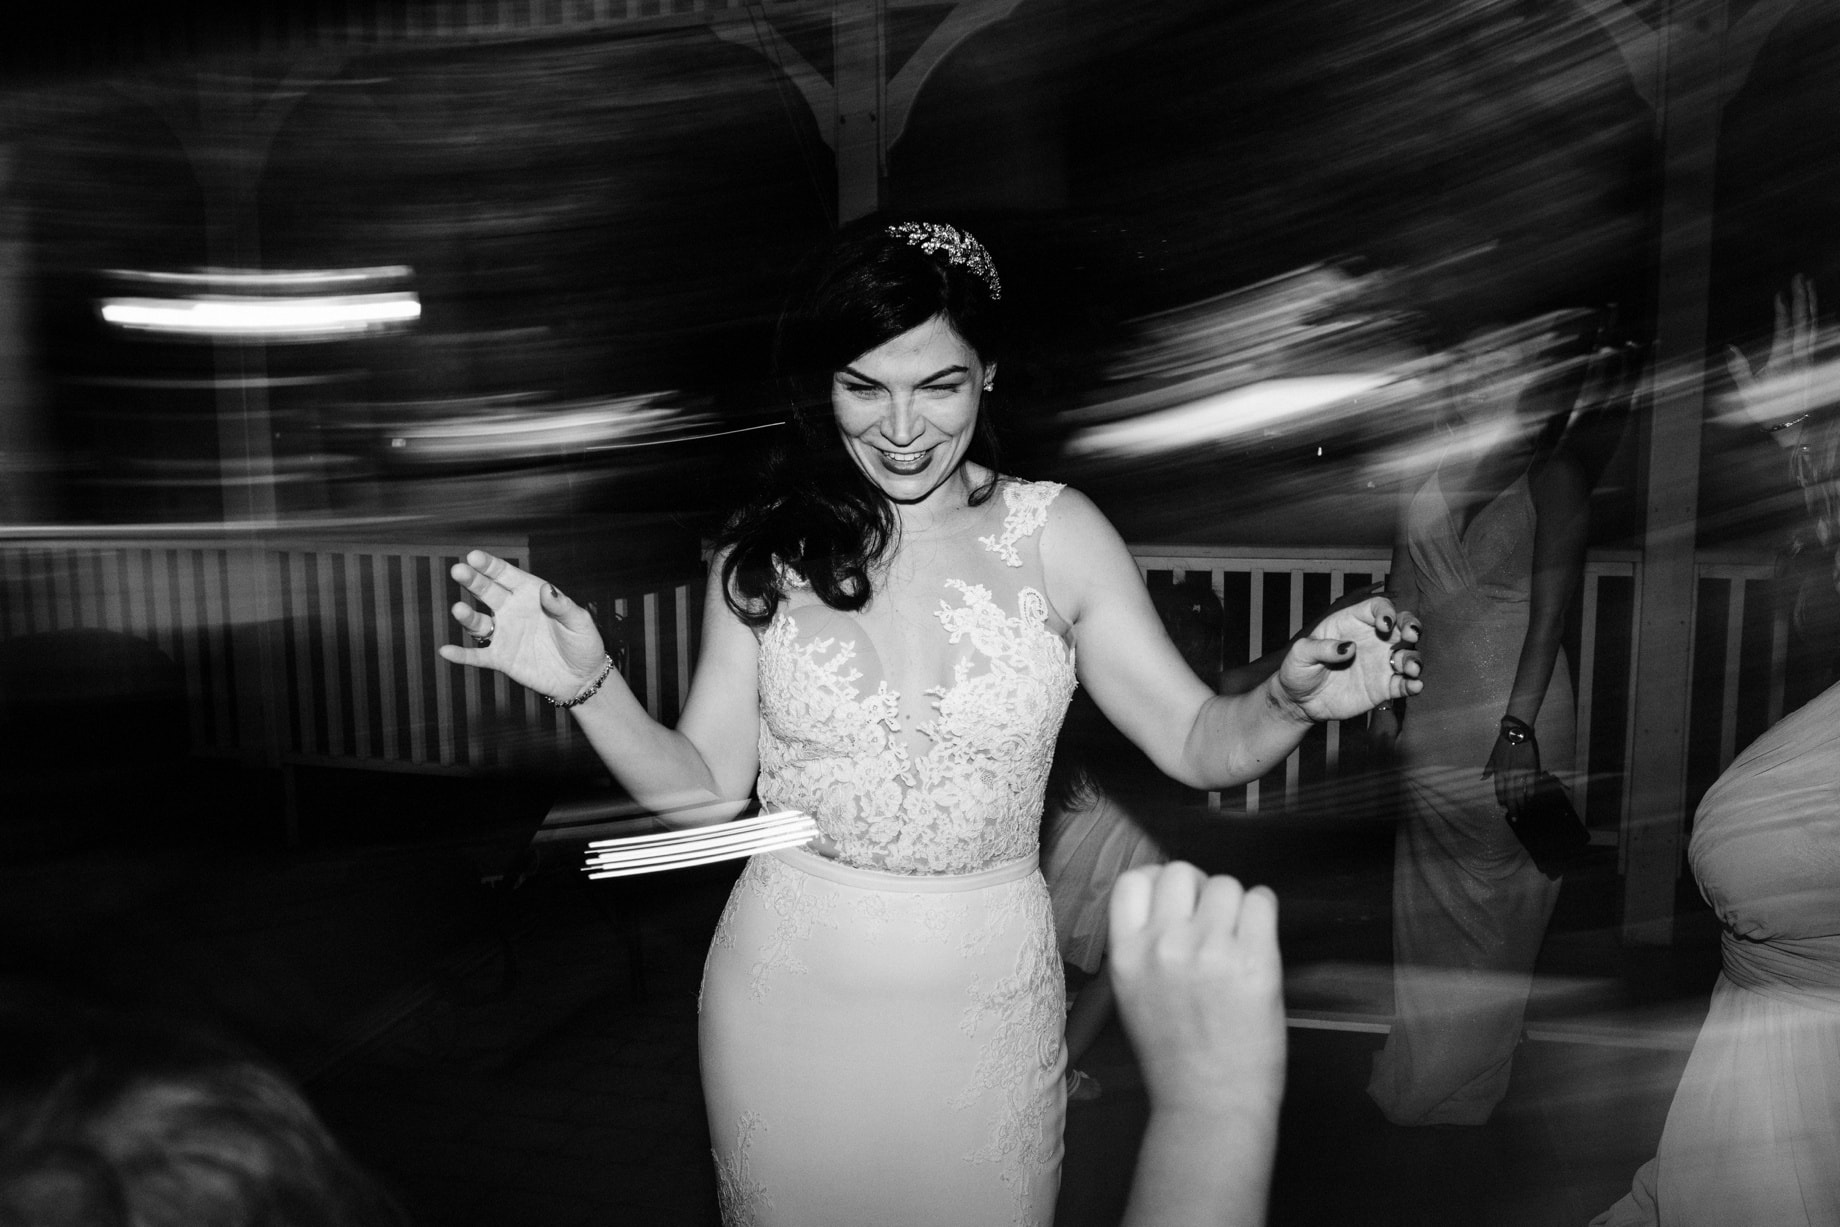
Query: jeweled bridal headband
point(955, 245)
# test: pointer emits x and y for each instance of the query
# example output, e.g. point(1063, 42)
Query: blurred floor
point(507, 1043)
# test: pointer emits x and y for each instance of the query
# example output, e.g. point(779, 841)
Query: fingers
point(1740, 368)
point(564, 610)
point(1172, 900)
point(473, 621)
point(479, 581)
point(495, 568)
point(1323, 651)
point(1130, 907)
point(454, 654)
point(1217, 910)
point(1178, 902)
point(1407, 665)
point(1258, 919)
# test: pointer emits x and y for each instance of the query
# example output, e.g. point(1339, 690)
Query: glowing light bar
point(297, 317)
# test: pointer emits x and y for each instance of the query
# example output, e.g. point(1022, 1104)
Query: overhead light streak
point(292, 318)
point(1257, 408)
point(248, 279)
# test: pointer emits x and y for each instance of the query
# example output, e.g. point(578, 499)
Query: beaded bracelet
point(586, 692)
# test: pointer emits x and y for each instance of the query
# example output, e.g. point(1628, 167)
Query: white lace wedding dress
point(881, 1033)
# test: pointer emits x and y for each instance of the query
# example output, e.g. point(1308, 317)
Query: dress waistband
point(882, 879)
point(1805, 971)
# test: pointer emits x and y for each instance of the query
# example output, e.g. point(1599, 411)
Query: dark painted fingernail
point(1344, 647)
point(1386, 626)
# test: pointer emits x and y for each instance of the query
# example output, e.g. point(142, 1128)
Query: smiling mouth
point(905, 462)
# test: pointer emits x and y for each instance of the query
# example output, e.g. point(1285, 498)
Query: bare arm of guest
point(1561, 503)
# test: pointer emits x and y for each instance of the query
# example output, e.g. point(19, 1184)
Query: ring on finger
point(485, 640)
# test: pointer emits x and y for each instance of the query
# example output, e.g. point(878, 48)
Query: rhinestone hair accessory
point(939, 239)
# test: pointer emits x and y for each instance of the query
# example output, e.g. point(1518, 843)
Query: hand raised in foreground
point(1194, 961)
point(536, 636)
point(1354, 658)
point(1200, 986)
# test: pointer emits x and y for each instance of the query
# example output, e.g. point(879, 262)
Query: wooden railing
point(1741, 648)
point(345, 671)
point(322, 652)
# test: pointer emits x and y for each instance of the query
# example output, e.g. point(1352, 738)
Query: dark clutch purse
point(1548, 827)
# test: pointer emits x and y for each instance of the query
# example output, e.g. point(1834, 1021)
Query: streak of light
point(1255, 408)
point(297, 318)
point(256, 279)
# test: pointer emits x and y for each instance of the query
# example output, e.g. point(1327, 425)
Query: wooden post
point(859, 41)
point(1686, 68)
point(860, 110)
point(1658, 772)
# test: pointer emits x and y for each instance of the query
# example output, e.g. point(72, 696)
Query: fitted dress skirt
point(882, 1048)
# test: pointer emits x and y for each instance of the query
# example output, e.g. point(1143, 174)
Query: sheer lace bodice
point(947, 780)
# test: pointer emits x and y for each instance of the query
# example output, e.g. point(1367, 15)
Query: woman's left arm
point(1561, 508)
point(1353, 660)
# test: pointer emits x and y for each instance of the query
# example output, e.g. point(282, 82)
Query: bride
point(891, 635)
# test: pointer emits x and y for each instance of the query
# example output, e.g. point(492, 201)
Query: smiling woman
point(892, 633)
point(907, 409)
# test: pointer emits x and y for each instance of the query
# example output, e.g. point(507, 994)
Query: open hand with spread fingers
point(1786, 389)
point(1353, 659)
point(525, 628)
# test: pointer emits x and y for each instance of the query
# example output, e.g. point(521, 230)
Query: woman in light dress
point(1753, 1134)
point(891, 635)
point(1490, 550)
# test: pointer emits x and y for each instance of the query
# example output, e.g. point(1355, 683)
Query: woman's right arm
point(701, 771)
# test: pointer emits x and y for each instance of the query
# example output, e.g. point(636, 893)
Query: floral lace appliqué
point(1028, 511)
point(974, 797)
point(739, 1195)
point(1022, 1014)
point(768, 883)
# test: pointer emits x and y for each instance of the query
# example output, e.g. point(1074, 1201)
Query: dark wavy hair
point(813, 511)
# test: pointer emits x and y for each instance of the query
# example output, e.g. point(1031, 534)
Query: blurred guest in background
point(889, 643)
point(1491, 547)
point(1753, 1134)
point(114, 1121)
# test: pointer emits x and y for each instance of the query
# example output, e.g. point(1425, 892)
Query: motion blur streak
point(276, 318)
point(1249, 410)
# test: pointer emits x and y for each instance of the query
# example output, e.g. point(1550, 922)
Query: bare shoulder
point(1071, 516)
point(1080, 552)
